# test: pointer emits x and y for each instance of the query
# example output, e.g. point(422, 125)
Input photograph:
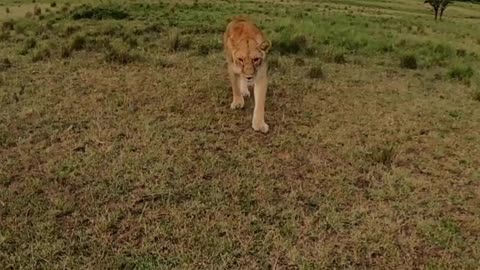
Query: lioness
point(245, 50)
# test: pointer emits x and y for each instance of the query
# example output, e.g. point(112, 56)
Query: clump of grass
point(53, 4)
point(78, 43)
point(339, 58)
point(176, 42)
point(316, 72)
point(408, 61)
point(274, 64)
point(120, 54)
point(70, 29)
point(164, 63)
point(207, 47)
point(41, 54)
point(7, 10)
point(476, 95)
point(460, 73)
point(291, 45)
point(28, 44)
point(5, 64)
point(203, 49)
point(37, 11)
point(8, 25)
point(99, 13)
point(29, 14)
point(47, 10)
point(65, 8)
point(461, 52)
point(299, 62)
point(384, 154)
point(4, 35)
point(65, 51)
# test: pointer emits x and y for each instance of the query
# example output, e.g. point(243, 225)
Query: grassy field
point(118, 148)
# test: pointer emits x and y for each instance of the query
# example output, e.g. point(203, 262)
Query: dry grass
point(117, 154)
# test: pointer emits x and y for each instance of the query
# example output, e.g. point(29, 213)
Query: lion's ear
point(265, 45)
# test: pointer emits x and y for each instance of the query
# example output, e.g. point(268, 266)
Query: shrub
point(408, 61)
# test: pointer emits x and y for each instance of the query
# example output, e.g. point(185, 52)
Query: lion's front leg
point(238, 101)
point(260, 93)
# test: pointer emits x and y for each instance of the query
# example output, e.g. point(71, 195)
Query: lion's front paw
point(237, 103)
point(245, 93)
point(260, 126)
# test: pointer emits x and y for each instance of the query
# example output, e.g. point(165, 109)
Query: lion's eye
point(257, 60)
point(240, 60)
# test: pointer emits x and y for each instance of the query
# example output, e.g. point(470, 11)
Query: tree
point(438, 5)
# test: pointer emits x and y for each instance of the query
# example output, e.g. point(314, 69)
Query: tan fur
point(246, 50)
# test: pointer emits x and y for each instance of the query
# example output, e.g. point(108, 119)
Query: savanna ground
point(118, 149)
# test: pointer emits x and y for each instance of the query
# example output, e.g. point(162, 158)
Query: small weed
point(47, 10)
point(316, 72)
point(53, 4)
point(408, 61)
point(460, 73)
point(37, 11)
point(7, 10)
point(5, 64)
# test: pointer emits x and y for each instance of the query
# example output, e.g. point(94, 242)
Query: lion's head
point(249, 55)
